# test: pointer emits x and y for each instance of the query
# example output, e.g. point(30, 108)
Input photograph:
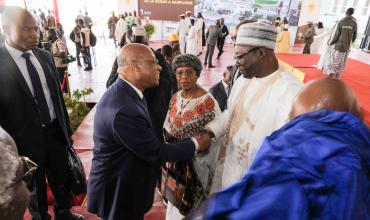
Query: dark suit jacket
point(219, 93)
point(225, 31)
point(19, 114)
point(158, 98)
point(127, 155)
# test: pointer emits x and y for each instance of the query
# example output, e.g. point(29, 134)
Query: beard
point(247, 74)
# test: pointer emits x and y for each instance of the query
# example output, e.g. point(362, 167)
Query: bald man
point(127, 153)
point(315, 167)
point(33, 112)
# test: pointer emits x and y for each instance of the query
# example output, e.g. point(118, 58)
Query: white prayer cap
point(309, 22)
point(138, 31)
point(182, 15)
point(286, 26)
point(187, 12)
point(257, 34)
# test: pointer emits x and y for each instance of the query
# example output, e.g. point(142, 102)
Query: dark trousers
point(220, 46)
point(87, 56)
point(55, 167)
point(307, 48)
point(78, 51)
point(209, 54)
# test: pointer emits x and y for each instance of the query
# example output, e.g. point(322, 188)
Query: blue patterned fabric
point(315, 167)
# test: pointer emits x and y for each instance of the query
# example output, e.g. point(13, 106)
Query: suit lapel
point(138, 101)
point(222, 89)
point(12, 68)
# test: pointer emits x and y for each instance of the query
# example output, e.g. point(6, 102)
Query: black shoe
point(88, 68)
point(69, 216)
point(218, 57)
point(211, 66)
point(79, 64)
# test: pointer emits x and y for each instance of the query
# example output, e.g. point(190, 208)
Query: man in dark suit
point(221, 40)
point(127, 153)
point(158, 97)
point(221, 90)
point(33, 112)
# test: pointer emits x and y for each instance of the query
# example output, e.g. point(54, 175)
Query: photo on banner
point(266, 11)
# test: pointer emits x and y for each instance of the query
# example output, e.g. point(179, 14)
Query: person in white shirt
point(259, 103)
point(191, 42)
point(199, 26)
point(182, 31)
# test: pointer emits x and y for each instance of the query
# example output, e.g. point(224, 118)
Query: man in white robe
point(198, 34)
point(121, 29)
point(259, 103)
point(182, 31)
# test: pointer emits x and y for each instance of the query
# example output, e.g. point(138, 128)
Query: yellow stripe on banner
point(299, 74)
point(286, 65)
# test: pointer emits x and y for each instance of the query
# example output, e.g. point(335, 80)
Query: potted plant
point(150, 29)
point(77, 106)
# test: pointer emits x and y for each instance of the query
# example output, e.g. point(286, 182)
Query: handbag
point(77, 176)
point(180, 186)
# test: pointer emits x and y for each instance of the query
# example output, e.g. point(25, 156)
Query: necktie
point(37, 89)
point(228, 90)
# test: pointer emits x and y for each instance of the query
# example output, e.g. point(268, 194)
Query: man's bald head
point(133, 51)
point(13, 15)
point(138, 65)
point(325, 93)
point(20, 28)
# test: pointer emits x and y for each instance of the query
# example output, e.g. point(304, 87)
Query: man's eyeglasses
point(239, 57)
point(29, 168)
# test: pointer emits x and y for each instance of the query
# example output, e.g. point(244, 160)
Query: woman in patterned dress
point(191, 109)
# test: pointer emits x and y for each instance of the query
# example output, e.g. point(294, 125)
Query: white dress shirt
point(21, 63)
point(139, 93)
point(226, 87)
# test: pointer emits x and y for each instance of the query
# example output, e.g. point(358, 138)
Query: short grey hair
point(188, 60)
point(8, 168)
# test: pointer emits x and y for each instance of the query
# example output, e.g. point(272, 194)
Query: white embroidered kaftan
point(256, 108)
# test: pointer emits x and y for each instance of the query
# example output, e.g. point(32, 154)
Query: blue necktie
point(38, 91)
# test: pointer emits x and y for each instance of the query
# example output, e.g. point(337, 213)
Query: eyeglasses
point(239, 57)
point(187, 72)
point(29, 168)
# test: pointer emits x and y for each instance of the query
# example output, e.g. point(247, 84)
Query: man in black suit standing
point(127, 153)
point(33, 112)
point(221, 90)
point(221, 40)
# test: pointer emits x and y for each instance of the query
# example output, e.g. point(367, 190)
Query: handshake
point(204, 140)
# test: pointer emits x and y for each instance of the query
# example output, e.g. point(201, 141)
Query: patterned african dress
point(185, 119)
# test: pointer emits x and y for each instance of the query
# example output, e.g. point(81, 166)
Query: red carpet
point(356, 75)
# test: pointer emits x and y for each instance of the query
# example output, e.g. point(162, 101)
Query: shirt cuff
point(195, 143)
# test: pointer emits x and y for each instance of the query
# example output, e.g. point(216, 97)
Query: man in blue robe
point(317, 166)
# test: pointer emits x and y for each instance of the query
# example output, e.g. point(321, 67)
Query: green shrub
point(77, 106)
